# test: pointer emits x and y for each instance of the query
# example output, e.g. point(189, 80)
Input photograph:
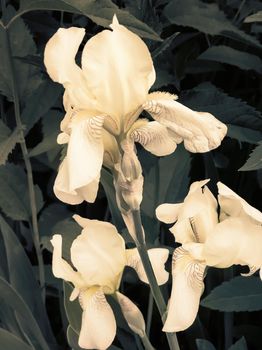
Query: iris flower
point(233, 238)
point(103, 100)
point(99, 257)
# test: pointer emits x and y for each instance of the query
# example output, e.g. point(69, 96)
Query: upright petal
point(98, 327)
point(233, 205)
point(234, 241)
point(154, 137)
point(119, 70)
point(200, 131)
point(187, 287)
point(60, 268)
point(98, 253)
point(158, 258)
point(85, 150)
point(132, 314)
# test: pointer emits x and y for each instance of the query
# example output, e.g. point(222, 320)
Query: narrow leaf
point(256, 17)
point(10, 297)
point(254, 161)
point(73, 309)
point(9, 341)
point(203, 344)
point(238, 294)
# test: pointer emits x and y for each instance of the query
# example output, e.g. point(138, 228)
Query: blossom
point(99, 257)
point(103, 100)
point(233, 238)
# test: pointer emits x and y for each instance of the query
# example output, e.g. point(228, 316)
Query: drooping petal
point(187, 287)
point(155, 138)
point(233, 205)
point(168, 212)
point(119, 71)
point(60, 268)
point(158, 258)
point(98, 327)
point(85, 150)
point(234, 241)
point(63, 192)
point(98, 253)
point(200, 131)
point(132, 314)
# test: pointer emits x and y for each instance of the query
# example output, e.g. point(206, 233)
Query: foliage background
point(206, 52)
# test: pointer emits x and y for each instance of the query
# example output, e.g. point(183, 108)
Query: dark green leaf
point(230, 110)
point(14, 198)
point(254, 161)
point(100, 12)
point(22, 277)
point(50, 216)
point(239, 294)
point(9, 341)
point(4, 131)
point(51, 127)
point(206, 18)
point(226, 54)
point(73, 309)
point(203, 344)
point(7, 146)
point(10, 297)
point(40, 102)
point(239, 345)
point(244, 134)
point(21, 44)
point(164, 45)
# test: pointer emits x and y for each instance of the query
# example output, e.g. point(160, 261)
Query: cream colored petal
point(61, 186)
point(158, 258)
point(98, 253)
point(201, 132)
point(111, 150)
point(60, 52)
point(233, 205)
point(184, 231)
point(187, 287)
point(83, 222)
point(98, 327)
point(119, 71)
point(63, 138)
point(155, 138)
point(234, 241)
point(132, 314)
point(89, 192)
point(168, 212)
point(85, 150)
point(60, 268)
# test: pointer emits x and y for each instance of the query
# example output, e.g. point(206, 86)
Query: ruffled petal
point(119, 71)
point(168, 212)
point(200, 131)
point(197, 215)
point(233, 205)
point(132, 314)
point(98, 253)
point(187, 288)
point(155, 138)
point(98, 327)
point(60, 268)
point(158, 258)
point(234, 241)
point(85, 150)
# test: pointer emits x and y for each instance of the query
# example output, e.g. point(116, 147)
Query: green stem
point(156, 292)
point(149, 313)
point(146, 343)
point(28, 166)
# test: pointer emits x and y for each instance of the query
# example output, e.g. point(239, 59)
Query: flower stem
point(146, 343)
point(28, 166)
point(156, 292)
